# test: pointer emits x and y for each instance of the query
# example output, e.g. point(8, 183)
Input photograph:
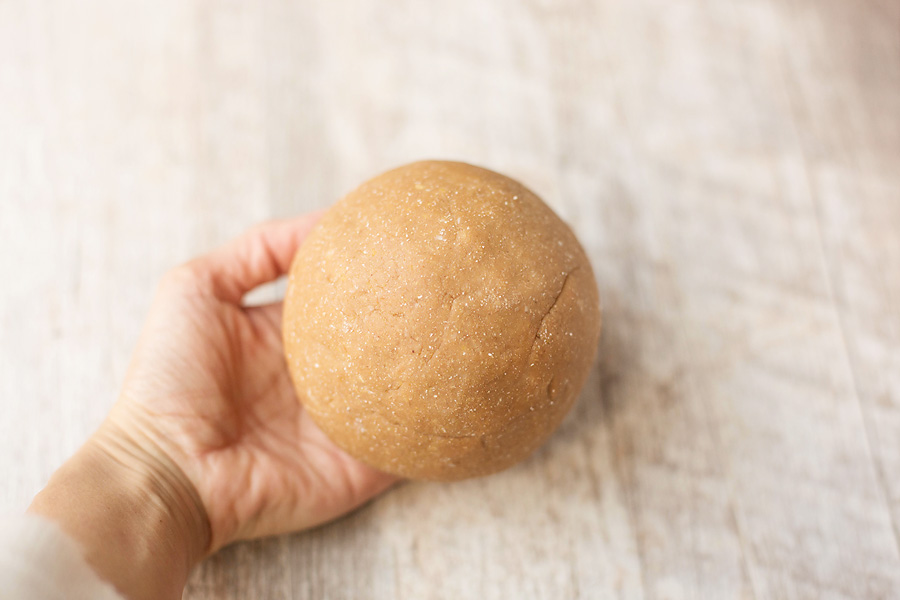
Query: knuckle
point(260, 227)
point(186, 276)
point(260, 230)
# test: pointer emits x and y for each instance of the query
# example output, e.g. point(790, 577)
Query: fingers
point(258, 256)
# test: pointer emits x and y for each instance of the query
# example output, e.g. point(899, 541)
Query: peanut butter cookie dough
point(440, 321)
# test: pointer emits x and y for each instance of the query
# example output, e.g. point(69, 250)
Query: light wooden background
point(732, 167)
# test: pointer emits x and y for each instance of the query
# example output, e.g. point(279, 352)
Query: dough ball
point(440, 321)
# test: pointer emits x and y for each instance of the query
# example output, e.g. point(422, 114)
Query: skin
point(207, 443)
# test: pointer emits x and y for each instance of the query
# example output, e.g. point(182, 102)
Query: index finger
point(256, 257)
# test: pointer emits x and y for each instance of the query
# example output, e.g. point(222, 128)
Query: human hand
point(209, 387)
point(208, 410)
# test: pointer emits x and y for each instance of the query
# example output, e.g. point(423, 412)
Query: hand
point(209, 387)
point(208, 408)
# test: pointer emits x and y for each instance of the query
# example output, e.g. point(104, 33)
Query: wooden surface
point(733, 169)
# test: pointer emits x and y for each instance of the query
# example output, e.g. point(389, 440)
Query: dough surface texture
point(440, 321)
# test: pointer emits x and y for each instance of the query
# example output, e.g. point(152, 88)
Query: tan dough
point(440, 321)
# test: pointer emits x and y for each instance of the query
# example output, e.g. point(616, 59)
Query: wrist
point(137, 518)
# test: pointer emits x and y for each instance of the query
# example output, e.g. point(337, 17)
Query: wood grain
point(732, 168)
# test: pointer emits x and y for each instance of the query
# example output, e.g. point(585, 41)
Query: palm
point(212, 376)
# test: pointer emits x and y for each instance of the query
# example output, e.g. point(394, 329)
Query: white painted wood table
point(732, 167)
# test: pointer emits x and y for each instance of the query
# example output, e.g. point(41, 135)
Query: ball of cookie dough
point(440, 321)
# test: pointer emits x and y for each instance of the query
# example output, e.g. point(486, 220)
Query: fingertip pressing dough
point(440, 321)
